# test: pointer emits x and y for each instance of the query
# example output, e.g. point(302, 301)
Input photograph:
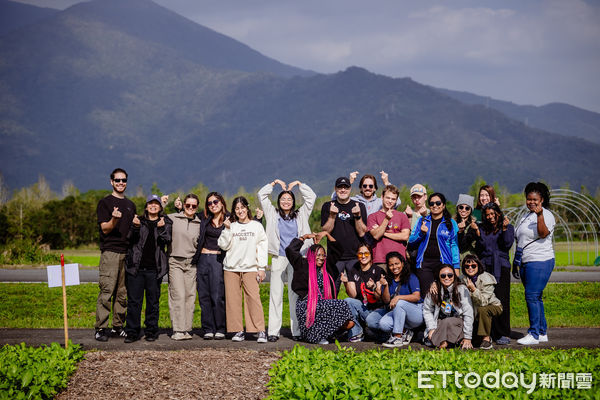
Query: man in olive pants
point(115, 214)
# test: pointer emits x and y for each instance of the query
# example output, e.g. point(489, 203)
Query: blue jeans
point(405, 314)
point(535, 276)
point(360, 313)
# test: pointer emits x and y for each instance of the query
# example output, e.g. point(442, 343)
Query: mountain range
point(129, 83)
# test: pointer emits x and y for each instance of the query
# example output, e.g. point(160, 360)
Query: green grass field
point(34, 305)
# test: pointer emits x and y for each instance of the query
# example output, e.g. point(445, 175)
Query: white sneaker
point(219, 336)
point(239, 337)
point(394, 341)
point(323, 341)
point(407, 337)
point(209, 336)
point(186, 336)
point(262, 337)
point(178, 336)
point(528, 340)
point(543, 338)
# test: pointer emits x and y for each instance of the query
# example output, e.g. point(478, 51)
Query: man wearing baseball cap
point(346, 221)
point(418, 195)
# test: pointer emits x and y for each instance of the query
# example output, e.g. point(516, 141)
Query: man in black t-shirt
point(346, 221)
point(115, 215)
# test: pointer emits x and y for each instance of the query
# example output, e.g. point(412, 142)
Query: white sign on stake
point(71, 275)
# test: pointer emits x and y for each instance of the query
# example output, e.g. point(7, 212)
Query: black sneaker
point(101, 335)
point(117, 332)
point(131, 338)
point(273, 338)
point(151, 337)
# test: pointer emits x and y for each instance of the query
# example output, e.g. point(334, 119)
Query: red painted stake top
point(62, 260)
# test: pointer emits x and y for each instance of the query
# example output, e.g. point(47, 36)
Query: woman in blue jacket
point(437, 249)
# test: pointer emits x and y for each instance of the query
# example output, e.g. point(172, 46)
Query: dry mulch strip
point(189, 374)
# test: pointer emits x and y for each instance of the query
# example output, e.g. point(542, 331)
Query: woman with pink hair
point(320, 314)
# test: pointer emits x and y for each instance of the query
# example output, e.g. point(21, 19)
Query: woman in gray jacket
point(448, 314)
point(486, 305)
point(284, 223)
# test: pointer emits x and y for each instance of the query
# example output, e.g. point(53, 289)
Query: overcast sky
point(528, 52)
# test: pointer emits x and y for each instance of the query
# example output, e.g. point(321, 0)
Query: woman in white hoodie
point(284, 223)
point(245, 242)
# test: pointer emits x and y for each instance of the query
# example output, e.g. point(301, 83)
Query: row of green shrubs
point(303, 373)
point(36, 372)
point(26, 252)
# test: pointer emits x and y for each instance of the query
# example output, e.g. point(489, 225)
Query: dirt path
point(190, 374)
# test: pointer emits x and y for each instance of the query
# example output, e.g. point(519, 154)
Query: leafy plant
point(303, 373)
point(36, 372)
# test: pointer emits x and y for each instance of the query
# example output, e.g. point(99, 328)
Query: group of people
point(417, 274)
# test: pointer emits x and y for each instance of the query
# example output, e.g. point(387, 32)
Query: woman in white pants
point(284, 223)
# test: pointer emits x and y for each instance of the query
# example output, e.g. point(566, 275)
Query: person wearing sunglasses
point(321, 316)
point(448, 313)
point(209, 267)
point(147, 263)
point(534, 241)
point(246, 244)
point(115, 214)
point(284, 223)
point(486, 305)
point(368, 191)
point(364, 285)
point(182, 271)
point(493, 242)
point(346, 221)
point(467, 224)
point(435, 239)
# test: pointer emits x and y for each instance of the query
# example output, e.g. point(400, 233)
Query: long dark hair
point(469, 219)
point(293, 212)
point(541, 189)
point(491, 192)
point(455, 295)
point(499, 218)
point(208, 213)
point(405, 273)
point(243, 201)
point(446, 214)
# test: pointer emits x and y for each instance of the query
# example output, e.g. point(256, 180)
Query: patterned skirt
point(330, 315)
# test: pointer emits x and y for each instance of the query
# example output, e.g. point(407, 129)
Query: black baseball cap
point(342, 181)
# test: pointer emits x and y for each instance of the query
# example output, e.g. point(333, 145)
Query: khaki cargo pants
point(112, 290)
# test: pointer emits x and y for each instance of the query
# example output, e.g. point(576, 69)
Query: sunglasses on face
point(365, 254)
point(435, 203)
point(192, 206)
point(470, 266)
point(444, 276)
point(119, 180)
point(461, 207)
point(365, 186)
point(213, 203)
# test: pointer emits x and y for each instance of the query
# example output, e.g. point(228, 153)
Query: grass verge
point(34, 305)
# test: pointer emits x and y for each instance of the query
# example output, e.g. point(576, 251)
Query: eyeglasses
point(213, 203)
point(192, 206)
point(365, 254)
point(461, 207)
point(119, 180)
point(365, 186)
point(435, 203)
point(469, 266)
point(444, 276)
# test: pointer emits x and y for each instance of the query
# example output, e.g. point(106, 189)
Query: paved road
point(91, 275)
point(558, 338)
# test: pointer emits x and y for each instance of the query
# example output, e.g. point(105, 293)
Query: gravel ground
point(189, 374)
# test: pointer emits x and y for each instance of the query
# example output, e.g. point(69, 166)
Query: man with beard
point(115, 215)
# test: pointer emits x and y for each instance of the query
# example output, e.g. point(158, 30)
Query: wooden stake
point(64, 291)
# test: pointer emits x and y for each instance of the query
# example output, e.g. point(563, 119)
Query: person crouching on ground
point(146, 264)
point(448, 314)
point(245, 242)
